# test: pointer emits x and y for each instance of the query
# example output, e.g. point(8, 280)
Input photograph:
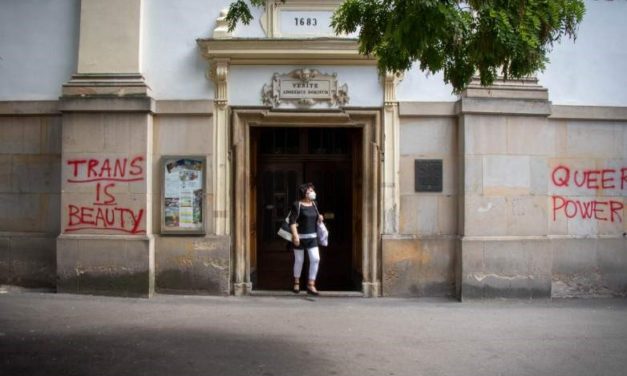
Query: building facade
point(145, 148)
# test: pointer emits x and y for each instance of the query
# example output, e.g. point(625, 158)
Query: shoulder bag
point(285, 231)
point(321, 230)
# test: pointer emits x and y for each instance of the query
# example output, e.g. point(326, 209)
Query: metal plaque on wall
point(304, 88)
point(428, 175)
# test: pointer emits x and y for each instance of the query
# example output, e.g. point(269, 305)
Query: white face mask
point(311, 195)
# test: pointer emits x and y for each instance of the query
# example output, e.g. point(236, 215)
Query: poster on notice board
point(182, 206)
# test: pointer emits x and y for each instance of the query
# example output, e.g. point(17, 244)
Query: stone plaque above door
point(304, 88)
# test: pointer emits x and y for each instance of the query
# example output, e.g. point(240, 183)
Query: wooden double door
point(286, 158)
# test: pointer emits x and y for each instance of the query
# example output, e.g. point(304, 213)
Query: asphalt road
point(58, 334)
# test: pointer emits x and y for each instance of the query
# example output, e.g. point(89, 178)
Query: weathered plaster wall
point(421, 262)
point(39, 40)
point(30, 161)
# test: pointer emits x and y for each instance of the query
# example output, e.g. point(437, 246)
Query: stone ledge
point(504, 106)
point(428, 109)
point(311, 51)
point(524, 89)
point(106, 84)
point(29, 108)
point(588, 113)
point(184, 107)
point(107, 104)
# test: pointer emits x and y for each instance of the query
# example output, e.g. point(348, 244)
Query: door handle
point(328, 215)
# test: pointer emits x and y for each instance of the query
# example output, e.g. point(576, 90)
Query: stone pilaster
point(505, 141)
point(106, 244)
point(221, 165)
point(391, 185)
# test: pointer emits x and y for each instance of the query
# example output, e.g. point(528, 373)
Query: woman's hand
point(295, 240)
point(320, 218)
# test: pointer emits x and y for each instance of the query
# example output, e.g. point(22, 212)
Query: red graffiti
point(595, 179)
point(120, 219)
point(104, 191)
point(105, 214)
point(608, 210)
point(92, 170)
point(592, 179)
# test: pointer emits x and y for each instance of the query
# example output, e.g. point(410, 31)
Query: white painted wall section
point(172, 64)
point(422, 86)
point(38, 47)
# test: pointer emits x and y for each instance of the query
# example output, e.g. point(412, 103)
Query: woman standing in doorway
point(303, 221)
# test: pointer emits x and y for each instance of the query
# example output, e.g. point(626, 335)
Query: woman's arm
point(293, 224)
point(295, 238)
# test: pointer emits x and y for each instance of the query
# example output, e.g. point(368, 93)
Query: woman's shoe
point(312, 292)
point(296, 288)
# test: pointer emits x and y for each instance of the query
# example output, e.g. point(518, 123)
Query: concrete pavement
point(59, 334)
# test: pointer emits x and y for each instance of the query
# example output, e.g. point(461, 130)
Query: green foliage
point(489, 37)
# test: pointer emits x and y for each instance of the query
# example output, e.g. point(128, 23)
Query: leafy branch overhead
point(511, 38)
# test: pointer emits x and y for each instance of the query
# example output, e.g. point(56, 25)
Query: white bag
point(323, 234)
point(321, 231)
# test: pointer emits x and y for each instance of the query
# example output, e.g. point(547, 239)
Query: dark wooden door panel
point(324, 159)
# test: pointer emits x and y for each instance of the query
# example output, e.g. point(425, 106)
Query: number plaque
point(300, 19)
point(304, 23)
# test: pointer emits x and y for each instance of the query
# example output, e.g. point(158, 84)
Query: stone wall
point(185, 263)
point(544, 196)
point(421, 261)
point(587, 186)
point(106, 244)
point(30, 159)
point(533, 200)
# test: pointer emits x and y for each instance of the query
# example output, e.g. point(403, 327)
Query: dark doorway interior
point(282, 159)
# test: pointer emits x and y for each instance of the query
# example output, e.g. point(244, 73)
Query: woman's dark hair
point(302, 190)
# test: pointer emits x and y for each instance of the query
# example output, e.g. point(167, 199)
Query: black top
point(306, 220)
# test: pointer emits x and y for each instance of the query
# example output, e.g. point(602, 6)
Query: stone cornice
point(327, 51)
point(106, 84)
point(507, 106)
point(428, 109)
point(107, 104)
point(589, 113)
point(29, 107)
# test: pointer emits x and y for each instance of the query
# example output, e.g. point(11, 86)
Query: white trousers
point(314, 262)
